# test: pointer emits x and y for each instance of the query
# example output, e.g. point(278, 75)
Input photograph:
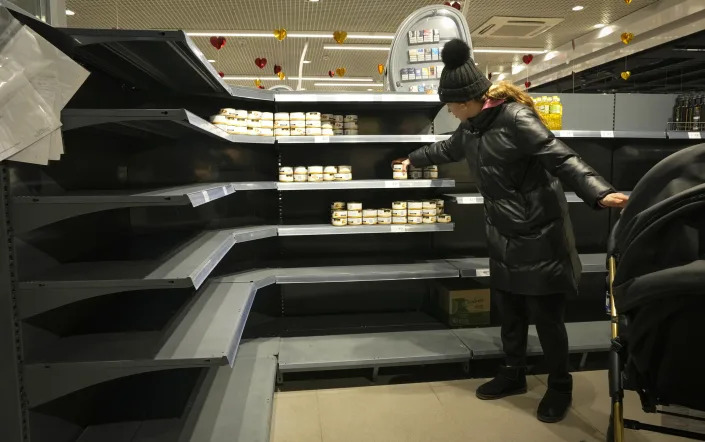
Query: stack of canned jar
point(402, 212)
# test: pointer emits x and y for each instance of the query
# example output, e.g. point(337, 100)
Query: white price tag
point(399, 229)
point(483, 273)
point(694, 135)
point(321, 139)
point(471, 200)
point(565, 133)
point(392, 184)
point(206, 196)
point(607, 134)
point(428, 138)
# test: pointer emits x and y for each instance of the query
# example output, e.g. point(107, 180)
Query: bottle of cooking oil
point(556, 113)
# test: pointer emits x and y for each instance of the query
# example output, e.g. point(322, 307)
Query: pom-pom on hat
point(461, 81)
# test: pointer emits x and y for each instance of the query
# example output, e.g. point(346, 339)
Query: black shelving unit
point(144, 272)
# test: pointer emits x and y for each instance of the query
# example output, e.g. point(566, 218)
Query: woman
point(534, 265)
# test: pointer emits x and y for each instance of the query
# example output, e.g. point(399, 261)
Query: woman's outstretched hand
point(403, 161)
point(614, 200)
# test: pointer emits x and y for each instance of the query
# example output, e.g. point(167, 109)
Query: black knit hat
point(461, 81)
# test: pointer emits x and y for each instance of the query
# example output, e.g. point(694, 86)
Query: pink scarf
point(491, 102)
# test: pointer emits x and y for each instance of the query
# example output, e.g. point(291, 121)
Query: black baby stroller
point(656, 263)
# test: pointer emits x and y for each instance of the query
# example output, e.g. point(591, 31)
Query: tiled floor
point(446, 412)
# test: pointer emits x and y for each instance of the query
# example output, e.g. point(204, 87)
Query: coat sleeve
point(533, 138)
point(441, 152)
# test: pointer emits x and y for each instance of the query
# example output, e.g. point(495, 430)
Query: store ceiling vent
point(515, 27)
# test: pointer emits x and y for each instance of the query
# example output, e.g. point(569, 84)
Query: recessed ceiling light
point(211, 61)
point(307, 61)
point(313, 1)
point(70, 12)
point(370, 90)
point(599, 26)
point(578, 8)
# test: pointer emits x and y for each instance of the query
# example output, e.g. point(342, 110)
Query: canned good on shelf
point(315, 177)
point(416, 174)
point(429, 205)
point(343, 176)
point(286, 178)
point(416, 205)
point(371, 221)
point(267, 116)
point(354, 213)
point(300, 178)
point(430, 174)
point(415, 212)
point(315, 169)
point(328, 177)
point(415, 220)
point(301, 170)
point(340, 222)
point(398, 167)
point(330, 169)
point(297, 116)
point(369, 213)
point(399, 212)
point(354, 206)
point(344, 169)
point(354, 221)
point(384, 221)
point(399, 175)
point(338, 205)
point(430, 212)
point(399, 220)
point(429, 219)
point(384, 213)
point(444, 219)
point(286, 170)
point(281, 116)
point(340, 213)
point(398, 205)
point(431, 168)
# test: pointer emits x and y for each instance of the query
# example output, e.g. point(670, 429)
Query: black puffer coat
point(516, 160)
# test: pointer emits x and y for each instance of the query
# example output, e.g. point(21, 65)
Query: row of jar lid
point(396, 205)
point(384, 213)
point(397, 220)
point(286, 116)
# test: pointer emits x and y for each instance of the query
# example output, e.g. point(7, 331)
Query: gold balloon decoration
point(280, 34)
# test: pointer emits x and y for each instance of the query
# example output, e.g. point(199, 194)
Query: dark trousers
point(547, 312)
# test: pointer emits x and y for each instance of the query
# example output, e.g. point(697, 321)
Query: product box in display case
point(462, 307)
point(414, 63)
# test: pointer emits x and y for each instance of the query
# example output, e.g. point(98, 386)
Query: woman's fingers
point(615, 200)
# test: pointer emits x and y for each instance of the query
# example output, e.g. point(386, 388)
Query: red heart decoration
point(261, 62)
point(527, 84)
point(218, 42)
point(277, 69)
point(528, 58)
point(222, 74)
point(331, 73)
point(456, 5)
point(260, 86)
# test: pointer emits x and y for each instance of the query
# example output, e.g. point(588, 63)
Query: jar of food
point(354, 221)
point(326, 125)
point(330, 169)
point(265, 132)
point(352, 213)
point(371, 221)
point(415, 212)
point(315, 169)
point(301, 170)
point(327, 117)
point(282, 132)
point(299, 178)
point(416, 205)
point(399, 220)
point(313, 116)
point(328, 177)
point(340, 213)
point(431, 168)
point(440, 205)
point(298, 132)
point(286, 170)
point(281, 124)
point(338, 205)
point(344, 169)
point(297, 124)
point(430, 174)
point(313, 123)
point(220, 119)
point(429, 220)
point(354, 206)
point(313, 131)
point(281, 116)
point(369, 213)
point(286, 178)
point(327, 132)
point(340, 222)
point(343, 176)
point(415, 220)
point(416, 174)
point(384, 221)
point(297, 116)
point(399, 175)
point(430, 212)
point(229, 111)
point(338, 118)
point(266, 124)
point(350, 118)
point(315, 177)
point(350, 125)
point(444, 219)
point(398, 205)
point(398, 167)
point(399, 212)
point(254, 115)
point(384, 213)
point(429, 205)
point(267, 116)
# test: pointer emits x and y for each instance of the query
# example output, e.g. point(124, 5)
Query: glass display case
point(414, 63)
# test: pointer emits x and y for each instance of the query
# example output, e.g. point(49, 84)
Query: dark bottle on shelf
point(677, 112)
point(688, 114)
point(697, 113)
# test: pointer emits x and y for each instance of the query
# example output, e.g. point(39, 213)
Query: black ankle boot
point(508, 382)
point(556, 402)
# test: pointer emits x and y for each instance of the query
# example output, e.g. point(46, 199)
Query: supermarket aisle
point(445, 412)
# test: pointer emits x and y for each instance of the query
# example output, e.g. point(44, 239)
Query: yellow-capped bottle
point(556, 110)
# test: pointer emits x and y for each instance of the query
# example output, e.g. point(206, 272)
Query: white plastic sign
point(694, 135)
